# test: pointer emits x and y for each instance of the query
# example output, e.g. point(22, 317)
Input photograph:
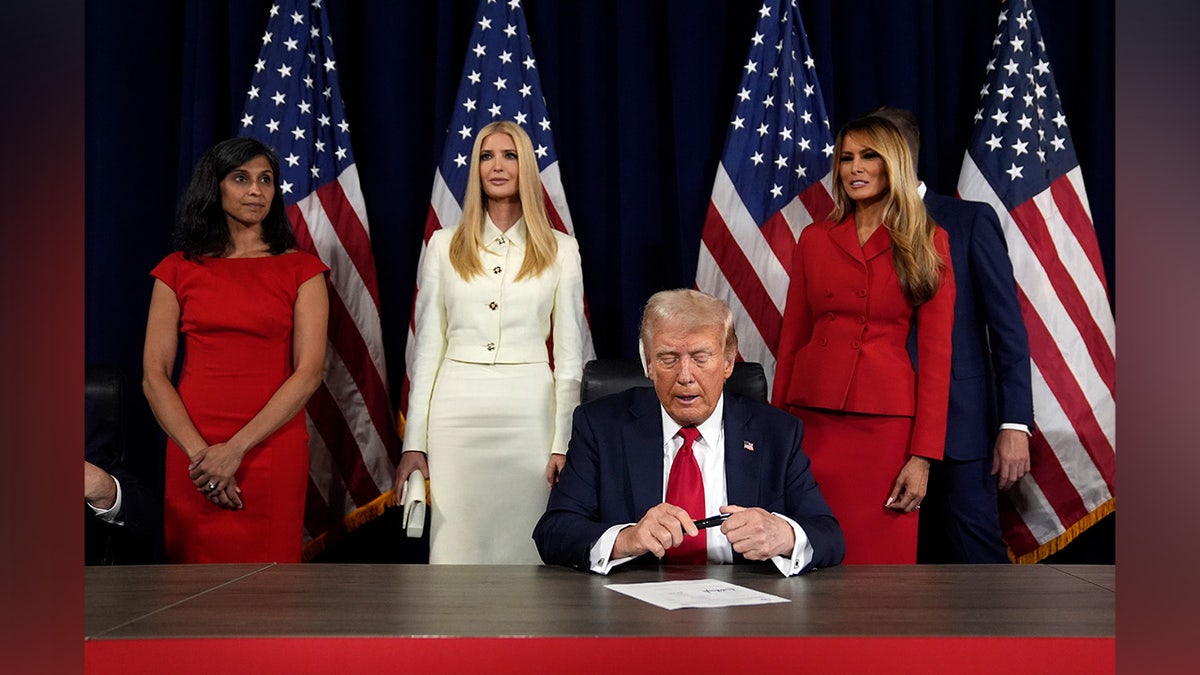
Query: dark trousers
point(960, 520)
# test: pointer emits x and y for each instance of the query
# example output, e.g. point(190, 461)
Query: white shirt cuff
point(110, 514)
point(1017, 427)
point(802, 552)
point(600, 556)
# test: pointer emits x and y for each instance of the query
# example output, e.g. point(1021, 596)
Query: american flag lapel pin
point(747, 446)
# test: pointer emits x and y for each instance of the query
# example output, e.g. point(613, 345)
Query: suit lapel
point(742, 446)
point(642, 442)
point(845, 237)
point(879, 243)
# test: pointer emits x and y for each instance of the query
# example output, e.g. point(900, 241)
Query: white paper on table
point(695, 593)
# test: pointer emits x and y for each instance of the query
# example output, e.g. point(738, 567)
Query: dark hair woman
point(252, 312)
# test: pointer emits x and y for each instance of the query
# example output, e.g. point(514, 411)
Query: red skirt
point(855, 459)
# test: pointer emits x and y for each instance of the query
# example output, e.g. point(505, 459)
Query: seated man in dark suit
point(643, 465)
point(123, 518)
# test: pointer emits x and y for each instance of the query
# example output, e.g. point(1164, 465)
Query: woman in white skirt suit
point(488, 419)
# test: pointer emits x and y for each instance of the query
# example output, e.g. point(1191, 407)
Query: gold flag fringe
point(355, 519)
point(360, 516)
point(1060, 542)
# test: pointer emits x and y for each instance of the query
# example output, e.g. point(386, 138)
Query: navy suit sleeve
point(1008, 339)
point(141, 511)
point(571, 524)
point(139, 538)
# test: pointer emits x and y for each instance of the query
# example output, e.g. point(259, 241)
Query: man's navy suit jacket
point(990, 373)
point(139, 539)
point(614, 474)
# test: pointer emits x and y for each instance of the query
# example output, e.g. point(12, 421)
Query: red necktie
point(685, 489)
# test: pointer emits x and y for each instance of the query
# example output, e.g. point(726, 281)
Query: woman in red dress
point(859, 282)
point(252, 312)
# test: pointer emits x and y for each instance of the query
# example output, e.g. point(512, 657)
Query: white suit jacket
point(494, 318)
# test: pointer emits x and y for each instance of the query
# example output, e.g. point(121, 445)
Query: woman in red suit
point(252, 312)
point(859, 282)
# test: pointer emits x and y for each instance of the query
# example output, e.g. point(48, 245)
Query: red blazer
point(843, 345)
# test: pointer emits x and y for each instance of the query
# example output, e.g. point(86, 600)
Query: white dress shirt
point(111, 514)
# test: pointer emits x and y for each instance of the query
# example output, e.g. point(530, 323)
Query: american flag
point(773, 180)
point(499, 82)
point(1021, 161)
point(294, 105)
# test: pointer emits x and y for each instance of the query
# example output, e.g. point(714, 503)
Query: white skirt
point(490, 430)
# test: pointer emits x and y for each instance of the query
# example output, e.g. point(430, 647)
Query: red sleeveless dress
point(236, 322)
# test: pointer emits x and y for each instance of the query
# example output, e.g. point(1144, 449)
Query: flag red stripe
point(304, 240)
point(741, 277)
point(1077, 219)
point(555, 220)
point(779, 237)
point(1033, 226)
point(1053, 480)
point(1066, 390)
point(351, 234)
point(817, 201)
point(328, 419)
point(432, 224)
point(1016, 533)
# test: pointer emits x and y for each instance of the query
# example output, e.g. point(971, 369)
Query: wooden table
point(506, 618)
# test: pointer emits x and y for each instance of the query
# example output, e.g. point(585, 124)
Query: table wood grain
point(327, 600)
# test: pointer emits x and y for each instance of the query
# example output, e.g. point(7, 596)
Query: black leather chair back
point(104, 389)
point(602, 377)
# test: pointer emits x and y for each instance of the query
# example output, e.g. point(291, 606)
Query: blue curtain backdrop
point(639, 93)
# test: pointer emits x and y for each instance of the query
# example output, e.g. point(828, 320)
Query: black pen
point(711, 521)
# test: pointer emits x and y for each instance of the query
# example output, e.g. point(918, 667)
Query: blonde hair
point(917, 262)
point(541, 246)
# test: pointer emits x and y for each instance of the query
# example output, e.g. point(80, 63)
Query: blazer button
point(492, 305)
point(862, 293)
point(497, 270)
point(854, 344)
point(824, 342)
point(491, 346)
point(828, 293)
point(830, 316)
point(862, 319)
